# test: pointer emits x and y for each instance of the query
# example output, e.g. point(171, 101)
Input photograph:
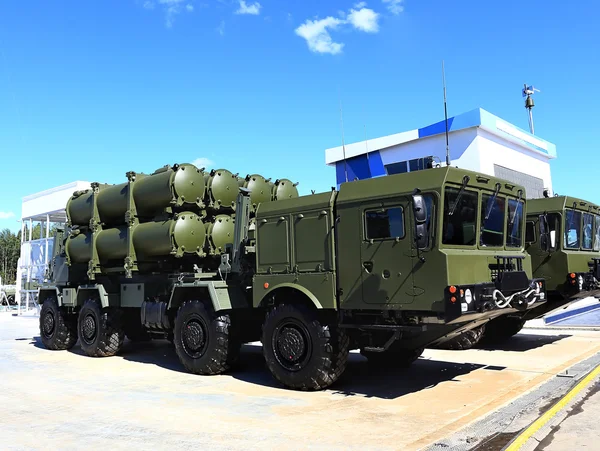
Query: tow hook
point(519, 303)
point(487, 306)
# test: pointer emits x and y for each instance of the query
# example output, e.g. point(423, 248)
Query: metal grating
point(534, 186)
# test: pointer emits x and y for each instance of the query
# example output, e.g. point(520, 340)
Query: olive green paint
point(556, 264)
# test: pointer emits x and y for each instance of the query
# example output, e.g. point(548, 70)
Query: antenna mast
point(445, 115)
point(527, 92)
point(343, 144)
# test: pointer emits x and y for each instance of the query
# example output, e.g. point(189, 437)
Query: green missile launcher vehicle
point(563, 240)
point(210, 261)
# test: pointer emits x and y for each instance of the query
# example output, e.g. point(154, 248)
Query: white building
point(46, 208)
point(478, 141)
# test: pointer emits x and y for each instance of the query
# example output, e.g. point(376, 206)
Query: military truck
point(211, 261)
point(8, 294)
point(563, 240)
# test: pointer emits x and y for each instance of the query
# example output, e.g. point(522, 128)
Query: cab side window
point(384, 223)
point(530, 232)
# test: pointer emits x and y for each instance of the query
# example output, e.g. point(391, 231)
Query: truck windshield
point(572, 229)
point(514, 229)
point(597, 233)
point(492, 228)
point(460, 228)
point(588, 232)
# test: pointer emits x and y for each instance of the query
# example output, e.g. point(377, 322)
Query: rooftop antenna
point(527, 92)
point(366, 141)
point(445, 115)
point(343, 144)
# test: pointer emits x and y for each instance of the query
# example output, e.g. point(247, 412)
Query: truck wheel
point(463, 341)
point(301, 351)
point(58, 329)
point(204, 340)
point(502, 328)
point(100, 330)
point(393, 358)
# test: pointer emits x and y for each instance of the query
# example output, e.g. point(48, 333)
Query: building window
point(397, 168)
point(416, 164)
point(384, 223)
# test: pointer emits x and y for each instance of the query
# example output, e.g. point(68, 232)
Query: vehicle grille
point(505, 264)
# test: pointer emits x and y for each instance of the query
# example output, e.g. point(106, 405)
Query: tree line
point(10, 251)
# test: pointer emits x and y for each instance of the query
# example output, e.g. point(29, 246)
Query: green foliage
point(10, 248)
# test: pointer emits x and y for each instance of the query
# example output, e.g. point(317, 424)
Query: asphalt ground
point(475, 399)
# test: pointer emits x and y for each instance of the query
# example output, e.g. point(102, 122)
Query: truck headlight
point(468, 296)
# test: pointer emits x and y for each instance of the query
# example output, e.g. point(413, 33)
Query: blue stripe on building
point(376, 164)
point(360, 167)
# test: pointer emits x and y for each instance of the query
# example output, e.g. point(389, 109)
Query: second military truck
point(211, 261)
point(563, 239)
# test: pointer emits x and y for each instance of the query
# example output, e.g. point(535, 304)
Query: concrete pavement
point(65, 400)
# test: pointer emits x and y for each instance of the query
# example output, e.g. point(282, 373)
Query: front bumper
point(581, 285)
point(468, 302)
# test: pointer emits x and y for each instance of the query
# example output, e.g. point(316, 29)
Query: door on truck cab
point(386, 251)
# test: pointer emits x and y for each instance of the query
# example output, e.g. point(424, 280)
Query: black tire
point(100, 329)
point(320, 346)
point(393, 357)
point(464, 341)
point(502, 329)
point(204, 340)
point(58, 329)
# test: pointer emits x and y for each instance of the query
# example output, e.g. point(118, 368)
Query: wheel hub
point(292, 346)
point(193, 338)
point(48, 324)
point(89, 328)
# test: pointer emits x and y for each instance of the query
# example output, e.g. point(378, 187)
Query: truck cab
point(405, 260)
point(563, 239)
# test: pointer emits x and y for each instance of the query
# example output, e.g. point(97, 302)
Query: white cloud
point(221, 28)
point(171, 8)
point(364, 19)
point(6, 214)
point(317, 32)
point(203, 162)
point(245, 8)
point(317, 36)
point(394, 6)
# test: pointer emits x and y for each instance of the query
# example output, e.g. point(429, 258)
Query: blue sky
point(92, 89)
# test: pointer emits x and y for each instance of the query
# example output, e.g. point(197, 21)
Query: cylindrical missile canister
point(185, 234)
point(220, 233)
point(260, 189)
point(79, 247)
point(80, 207)
point(284, 189)
point(181, 184)
point(112, 203)
point(222, 188)
point(111, 244)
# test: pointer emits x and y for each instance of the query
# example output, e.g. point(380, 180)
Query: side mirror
point(544, 235)
point(422, 238)
point(419, 209)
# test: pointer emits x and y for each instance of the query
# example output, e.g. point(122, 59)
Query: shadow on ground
point(522, 342)
point(359, 379)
